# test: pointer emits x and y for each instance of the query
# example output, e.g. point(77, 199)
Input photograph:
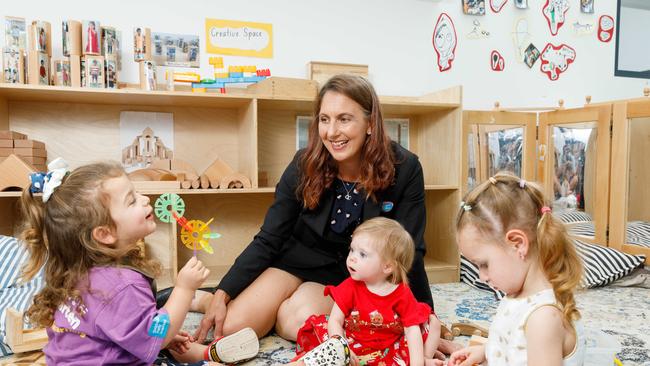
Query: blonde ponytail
point(33, 235)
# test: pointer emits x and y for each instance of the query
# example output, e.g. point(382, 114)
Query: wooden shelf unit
point(253, 134)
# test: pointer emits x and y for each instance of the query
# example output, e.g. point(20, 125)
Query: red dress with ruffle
point(374, 324)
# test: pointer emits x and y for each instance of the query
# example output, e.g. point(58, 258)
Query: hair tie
point(522, 184)
point(545, 209)
point(493, 180)
point(46, 183)
point(465, 206)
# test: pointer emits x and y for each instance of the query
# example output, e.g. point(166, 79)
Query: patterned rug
point(616, 321)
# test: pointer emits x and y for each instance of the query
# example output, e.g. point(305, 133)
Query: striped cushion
point(569, 216)
point(13, 293)
point(638, 232)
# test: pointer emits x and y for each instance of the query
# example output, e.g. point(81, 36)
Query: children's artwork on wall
point(580, 29)
point(43, 69)
point(144, 137)
point(497, 5)
point(556, 60)
point(12, 66)
point(444, 41)
point(521, 4)
point(15, 36)
point(474, 7)
point(477, 31)
point(520, 38)
point(109, 41)
point(497, 63)
point(90, 33)
point(94, 71)
point(587, 6)
point(605, 28)
point(531, 54)
point(111, 73)
point(554, 11)
point(180, 50)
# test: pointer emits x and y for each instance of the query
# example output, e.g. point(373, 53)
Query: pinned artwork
point(477, 32)
point(605, 28)
point(474, 7)
point(556, 60)
point(531, 54)
point(444, 41)
point(497, 5)
point(497, 63)
point(520, 37)
point(521, 4)
point(582, 29)
point(587, 6)
point(554, 11)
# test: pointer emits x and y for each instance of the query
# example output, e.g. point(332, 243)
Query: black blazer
point(294, 235)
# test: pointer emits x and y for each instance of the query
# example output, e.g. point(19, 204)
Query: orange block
point(6, 143)
point(28, 151)
point(6, 135)
point(29, 143)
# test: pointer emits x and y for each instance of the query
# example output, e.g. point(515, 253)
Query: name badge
point(386, 206)
point(159, 326)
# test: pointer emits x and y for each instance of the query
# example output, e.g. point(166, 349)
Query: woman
point(349, 172)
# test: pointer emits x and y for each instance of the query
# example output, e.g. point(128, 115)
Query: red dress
point(374, 324)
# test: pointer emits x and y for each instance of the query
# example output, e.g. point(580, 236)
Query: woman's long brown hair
point(319, 169)
point(58, 234)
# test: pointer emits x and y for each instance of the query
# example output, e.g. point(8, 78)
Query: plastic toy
point(235, 75)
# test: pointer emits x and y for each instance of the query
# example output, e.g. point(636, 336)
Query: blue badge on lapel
point(386, 206)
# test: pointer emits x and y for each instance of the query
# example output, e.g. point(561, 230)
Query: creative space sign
point(238, 38)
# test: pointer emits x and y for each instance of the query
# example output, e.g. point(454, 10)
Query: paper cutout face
point(554, 11)
point(520, 37)
point(497, 63)
point(531, 54)
point(477, 32)
point(444, 41)
point(587, 6)
point(605, 28)
point(474, 7)
point(497, 5)
point(582, 29)
point(556, 60)
point(521, 4)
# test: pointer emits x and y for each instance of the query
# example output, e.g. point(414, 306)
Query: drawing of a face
point(444, 41)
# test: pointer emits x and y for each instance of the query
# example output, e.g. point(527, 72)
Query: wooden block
point(91, 35)
point(468, 329)
point(155, 185)
point(262, 179)
point(217, 171)
point(180, 176)
point(187, 184)
point(205, 182)
point(148, 75)
point(34, 160)
point(94, 71)
point(40, 167)
point(236, 180)
point(14, 173)
point(60, 72)
point(13, 66)
point(71, 34)
point(161, 164)
point(178, 164)
point(477, 340)
point(29, 143)
point(4, 143)
point(75, 70)
point(20, 339)
point(191, 176)
point(196, 184)
point(5, 151)
point(38, 68)
point(6, 135)
point(151, 175)
point(40, 37)
point(28, 151)
point(285, 87)
point(141, 44)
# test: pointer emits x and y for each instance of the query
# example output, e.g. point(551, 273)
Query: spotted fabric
point(347, 208)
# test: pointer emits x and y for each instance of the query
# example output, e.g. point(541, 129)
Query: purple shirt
point(120, 308)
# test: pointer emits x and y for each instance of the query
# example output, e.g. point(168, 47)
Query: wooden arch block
point(14, 173)
point(217, 171)
point(236, 180)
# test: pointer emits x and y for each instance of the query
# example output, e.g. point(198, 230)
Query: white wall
point(392, 37)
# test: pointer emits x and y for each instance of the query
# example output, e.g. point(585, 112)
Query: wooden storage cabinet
point(255, 134)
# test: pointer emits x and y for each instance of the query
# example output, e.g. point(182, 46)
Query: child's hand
point(192, 275)
point(469, 356)
point(181, 342)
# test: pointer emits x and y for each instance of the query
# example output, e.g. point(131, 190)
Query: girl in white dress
point(506, 228)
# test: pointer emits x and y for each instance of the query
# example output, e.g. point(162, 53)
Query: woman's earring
point(368, 132)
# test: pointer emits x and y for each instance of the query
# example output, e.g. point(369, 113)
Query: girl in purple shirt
point(98, 305)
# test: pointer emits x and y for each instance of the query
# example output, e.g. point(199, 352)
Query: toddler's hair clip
point(522, 184)
point(545, 209)
point(493, 180)
point(46, 183)
point(465, 206)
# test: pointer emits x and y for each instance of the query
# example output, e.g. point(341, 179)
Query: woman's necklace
point(347, 191)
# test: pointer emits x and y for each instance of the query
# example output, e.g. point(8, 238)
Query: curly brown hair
point(58, 234)
point(319, 169)
point(505, 202)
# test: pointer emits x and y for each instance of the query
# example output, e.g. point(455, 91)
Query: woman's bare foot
point(448, 347)
point(201, 301)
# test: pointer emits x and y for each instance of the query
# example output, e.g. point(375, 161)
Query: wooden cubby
point(253, 133)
